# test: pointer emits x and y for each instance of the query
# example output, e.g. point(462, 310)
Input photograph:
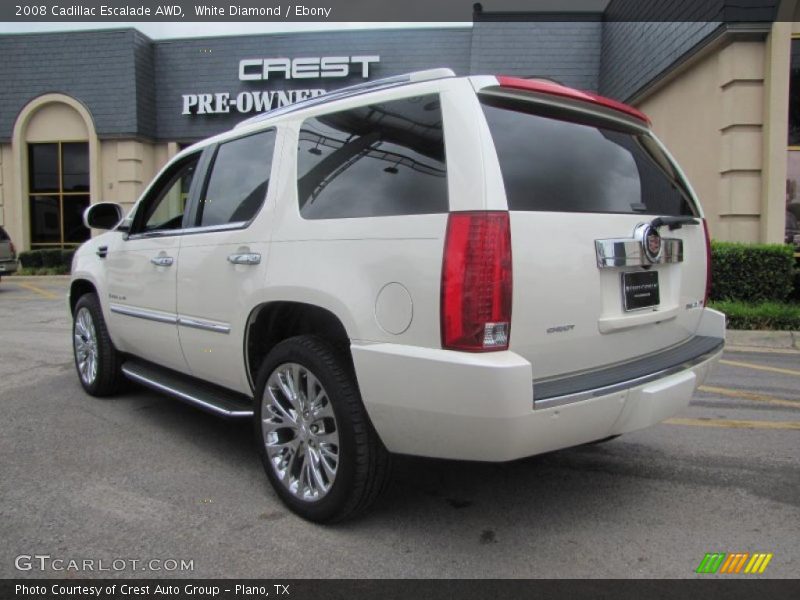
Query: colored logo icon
point(734, 563)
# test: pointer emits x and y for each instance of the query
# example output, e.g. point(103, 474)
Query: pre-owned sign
point(266, 69)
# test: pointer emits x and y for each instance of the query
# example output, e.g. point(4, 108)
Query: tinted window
point(58, 176)
point(43, 167)
point(3, 235)
point(550, 164)
point(794, 95)
point(74, 207)
point(239, 180)
point(75, 166)
point(165, 204)
point(378, 160)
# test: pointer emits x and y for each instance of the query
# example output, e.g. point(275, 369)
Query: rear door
point(224, 260)
point(593, 285)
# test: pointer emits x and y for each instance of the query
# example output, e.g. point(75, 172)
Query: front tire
point(96, 359)
point(319, 449)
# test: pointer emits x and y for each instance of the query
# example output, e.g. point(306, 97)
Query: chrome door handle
point(249, 258)
point(162, 261)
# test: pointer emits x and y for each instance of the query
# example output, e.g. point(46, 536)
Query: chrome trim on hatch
point(143, 313)
point(628, 252)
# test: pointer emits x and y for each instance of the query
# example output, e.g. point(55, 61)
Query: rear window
point(3, 235)
point(379, 160)
point(554, 163)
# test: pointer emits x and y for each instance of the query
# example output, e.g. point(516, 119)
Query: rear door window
point(563, 165)
point(378, 160)
point(237, 186)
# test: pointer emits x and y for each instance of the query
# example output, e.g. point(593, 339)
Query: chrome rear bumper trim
point(699, 349)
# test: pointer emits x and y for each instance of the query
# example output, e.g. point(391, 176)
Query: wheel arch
point(78, 288)
point(271, 322)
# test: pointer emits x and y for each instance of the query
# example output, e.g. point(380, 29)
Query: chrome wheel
point(301, 435)
point(85, 341)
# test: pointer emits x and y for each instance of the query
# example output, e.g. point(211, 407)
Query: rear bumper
point(446, 404)
point(8, 266)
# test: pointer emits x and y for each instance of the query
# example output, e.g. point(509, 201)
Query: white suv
point(478, 268)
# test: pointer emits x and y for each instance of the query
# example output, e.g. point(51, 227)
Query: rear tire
point(319, 449)
point(603, 440)
point(96, 359)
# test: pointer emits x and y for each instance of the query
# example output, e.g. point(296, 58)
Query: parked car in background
point(478, 268)
point(8, 254)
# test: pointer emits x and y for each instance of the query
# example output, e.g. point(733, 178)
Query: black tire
point(363, 461)
point(109, 377)
point(603, 440)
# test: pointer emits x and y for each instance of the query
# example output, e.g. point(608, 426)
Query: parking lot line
point(744, 365)
point(734, 424)
point(744, 395)
point(37, 290)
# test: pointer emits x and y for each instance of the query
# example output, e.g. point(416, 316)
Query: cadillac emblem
point(651, 242)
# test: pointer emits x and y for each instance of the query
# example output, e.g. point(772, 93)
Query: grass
point(776, 316)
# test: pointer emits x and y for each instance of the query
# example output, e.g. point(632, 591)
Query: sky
point(159, 31)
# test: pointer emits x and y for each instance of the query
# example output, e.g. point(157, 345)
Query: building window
point(58, 187)
point(792, 230)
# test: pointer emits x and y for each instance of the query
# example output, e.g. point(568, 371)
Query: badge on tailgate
point(640, 290)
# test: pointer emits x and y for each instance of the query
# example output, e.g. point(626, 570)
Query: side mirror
point(103, 215)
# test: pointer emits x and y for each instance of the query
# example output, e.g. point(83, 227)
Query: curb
point(786, 341)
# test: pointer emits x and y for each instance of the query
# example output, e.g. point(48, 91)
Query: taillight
point(13, 250)
point(476, 282)
point(708, 262)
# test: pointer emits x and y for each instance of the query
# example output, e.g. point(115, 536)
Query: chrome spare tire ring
point(300, 432)
point(85, 342)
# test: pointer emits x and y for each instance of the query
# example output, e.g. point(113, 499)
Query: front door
point(142, 267)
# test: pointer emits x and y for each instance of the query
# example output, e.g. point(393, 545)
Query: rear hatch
point(584, 183)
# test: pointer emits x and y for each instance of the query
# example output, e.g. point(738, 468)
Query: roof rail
point(352, 90)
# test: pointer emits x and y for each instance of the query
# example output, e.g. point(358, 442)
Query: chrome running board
point(206, 396)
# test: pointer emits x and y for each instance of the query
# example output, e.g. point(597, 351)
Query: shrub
point(795, 297)
point(51, 257)
point(30, 260)
point(53, 261)
point(66, 258)
point(765, 315)
point(752, 272)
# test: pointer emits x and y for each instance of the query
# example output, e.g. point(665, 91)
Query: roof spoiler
point(544, 86)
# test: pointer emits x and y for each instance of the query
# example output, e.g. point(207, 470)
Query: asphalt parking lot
point(141, 477)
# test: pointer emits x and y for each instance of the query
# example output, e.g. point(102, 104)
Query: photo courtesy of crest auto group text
point(495, 297)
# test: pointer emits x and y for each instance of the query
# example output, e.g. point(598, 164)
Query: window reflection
point(379, 160)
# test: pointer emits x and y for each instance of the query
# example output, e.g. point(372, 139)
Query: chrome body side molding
point(204, 325)
point(143, 313)
point(172, 319)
